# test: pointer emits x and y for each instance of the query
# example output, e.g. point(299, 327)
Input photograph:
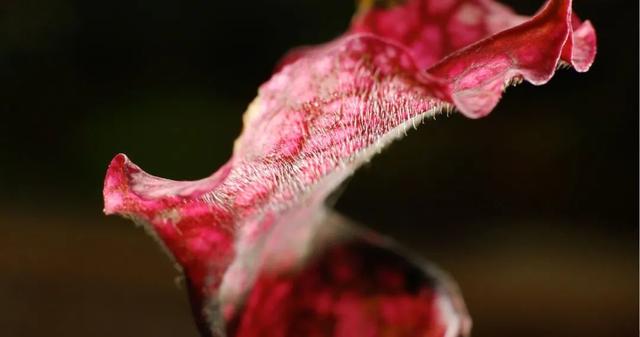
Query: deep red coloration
point(247, 237)
point(351, 289)
point(431, 30)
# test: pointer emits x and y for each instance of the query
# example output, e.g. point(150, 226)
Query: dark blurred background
point(534, 209)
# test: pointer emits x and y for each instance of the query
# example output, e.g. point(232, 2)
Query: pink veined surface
point(327, 110)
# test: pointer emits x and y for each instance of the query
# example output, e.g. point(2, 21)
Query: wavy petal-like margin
point(477, 75)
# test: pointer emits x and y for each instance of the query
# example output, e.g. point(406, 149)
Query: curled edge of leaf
point(477, 75)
